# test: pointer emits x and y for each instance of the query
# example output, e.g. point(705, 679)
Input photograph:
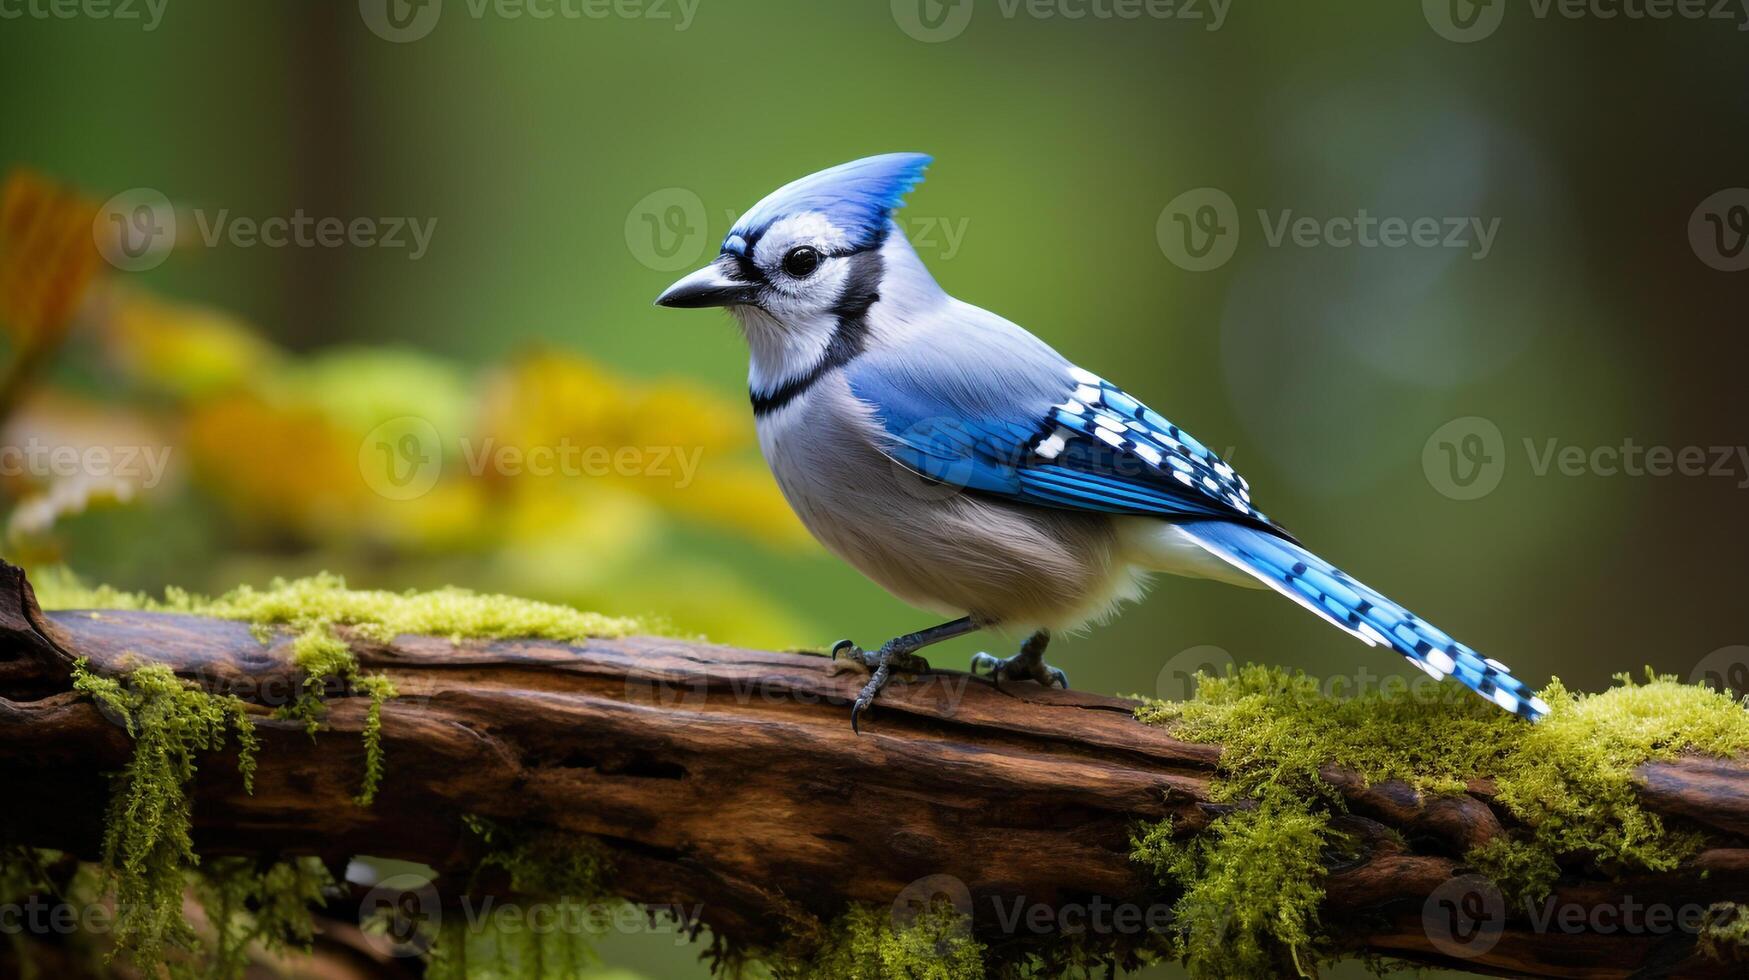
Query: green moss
point(324, 599)
point(313, 607)
point(249, 907)
point(381, 615)
point(544, 863)
point(1523, 871)
point(568, 873)
point(1252, 885)
point(862, 944)
point(1568, 781)
point(147, 849)
point(1724, 934)
point(22, 874)
point(148, 853)
point(380, 689)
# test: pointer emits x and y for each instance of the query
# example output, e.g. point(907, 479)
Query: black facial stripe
point(849, 335)
point(751, 272)
point(748, 271)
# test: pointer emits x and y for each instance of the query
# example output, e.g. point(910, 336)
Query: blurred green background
point(574, 166)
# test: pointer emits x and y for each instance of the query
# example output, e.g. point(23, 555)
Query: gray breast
point(934, 546)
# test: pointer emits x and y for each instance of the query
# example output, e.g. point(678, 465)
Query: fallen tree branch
point(728, 781)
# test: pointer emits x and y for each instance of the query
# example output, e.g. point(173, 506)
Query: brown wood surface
point(729, 780)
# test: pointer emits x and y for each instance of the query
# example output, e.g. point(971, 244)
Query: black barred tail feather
point(1319, 586)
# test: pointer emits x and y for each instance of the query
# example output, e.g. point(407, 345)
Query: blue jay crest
point(856, 197)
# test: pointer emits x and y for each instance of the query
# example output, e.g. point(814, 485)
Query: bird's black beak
point(713, 285)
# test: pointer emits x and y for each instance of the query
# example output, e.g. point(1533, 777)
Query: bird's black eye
point(800, 262)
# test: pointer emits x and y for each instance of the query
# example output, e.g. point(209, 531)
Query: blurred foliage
point(548, 472)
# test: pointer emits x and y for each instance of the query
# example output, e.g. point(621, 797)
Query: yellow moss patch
point(324, 599)
point(314, 606)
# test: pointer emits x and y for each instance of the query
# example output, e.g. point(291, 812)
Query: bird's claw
point(1018, 667)
point(984, 665)
point(883, 663)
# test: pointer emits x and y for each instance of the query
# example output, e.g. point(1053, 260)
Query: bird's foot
point(1028, 664)
point(883, 663)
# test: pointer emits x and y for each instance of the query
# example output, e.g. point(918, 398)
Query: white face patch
point(791, 299)
point(807, 228)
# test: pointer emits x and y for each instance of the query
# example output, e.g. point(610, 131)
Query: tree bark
point(729, 781)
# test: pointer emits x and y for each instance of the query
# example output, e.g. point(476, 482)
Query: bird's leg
point(897, 654)
point(1028, 664)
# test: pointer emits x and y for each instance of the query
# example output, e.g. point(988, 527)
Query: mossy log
point(728, 781)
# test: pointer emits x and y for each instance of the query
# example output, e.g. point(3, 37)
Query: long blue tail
point(1321, 587)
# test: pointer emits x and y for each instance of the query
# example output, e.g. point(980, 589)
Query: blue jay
point(969, 469)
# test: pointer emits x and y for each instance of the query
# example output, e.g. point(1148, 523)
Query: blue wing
point(1069, 439)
